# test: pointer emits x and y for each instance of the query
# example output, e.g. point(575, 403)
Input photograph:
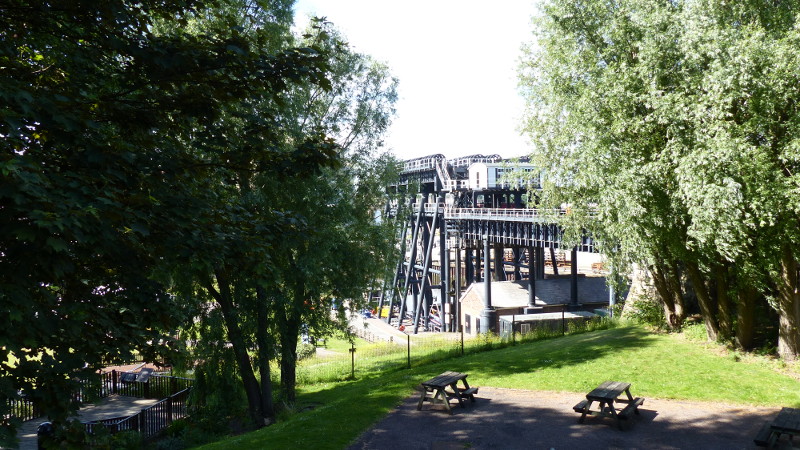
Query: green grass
point(660, 366)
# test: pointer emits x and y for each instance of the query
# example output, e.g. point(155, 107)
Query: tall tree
point(102, 178)
point(343, 246)
point(676, 118)
point(317, 234)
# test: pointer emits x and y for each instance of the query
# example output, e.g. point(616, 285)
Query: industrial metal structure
point(464, 213)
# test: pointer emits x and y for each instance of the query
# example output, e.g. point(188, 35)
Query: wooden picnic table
point(786, 422)
point(607, 394)
point(435, 390)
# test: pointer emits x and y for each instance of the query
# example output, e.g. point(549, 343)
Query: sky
point(456, 62)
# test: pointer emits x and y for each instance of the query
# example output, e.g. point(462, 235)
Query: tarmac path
point(518, 419)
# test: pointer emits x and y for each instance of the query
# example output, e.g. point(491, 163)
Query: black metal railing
point(157, 386)
point(149, 421)
point(23, 408)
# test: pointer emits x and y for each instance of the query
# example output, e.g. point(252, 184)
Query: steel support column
point(444, 260)
point(499, 259)
point(489, 314)
point(397, 272)
point(423, 303)
point(531, 280)
point(573, 285)
point(469, 267)
point(410, 269)
point(457, 299)
point(553, 260)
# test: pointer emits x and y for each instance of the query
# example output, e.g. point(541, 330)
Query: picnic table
point(786, 422)
point(435, 390)
point(607, 395)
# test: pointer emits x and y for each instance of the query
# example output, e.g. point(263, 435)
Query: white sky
point(457, 66)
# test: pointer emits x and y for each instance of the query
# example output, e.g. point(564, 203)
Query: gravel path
point(519, 419)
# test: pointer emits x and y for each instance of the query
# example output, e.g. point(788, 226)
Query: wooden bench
point(468, 393)
point(632, 406)
point(581, 406)
point(765, 437)
point(786, 422)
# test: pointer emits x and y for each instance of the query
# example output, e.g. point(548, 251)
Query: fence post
point(169, 410)
point(563, 323)
point(461, 329)
point(173, 384)
point(408, 351)
point(114, 381)
point(353, 361)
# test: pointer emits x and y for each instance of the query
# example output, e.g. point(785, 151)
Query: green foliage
point(123, 135)
point(673, 122)
point(695, 331)
point(305, 351)
point(217, 398)
point(646, 311)
point(127, 440)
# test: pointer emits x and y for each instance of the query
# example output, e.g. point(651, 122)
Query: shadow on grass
point(559, 353)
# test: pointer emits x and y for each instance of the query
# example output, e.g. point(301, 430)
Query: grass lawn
point(660, 366)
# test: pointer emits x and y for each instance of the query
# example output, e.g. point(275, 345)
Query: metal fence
point(23, 408)
point(149, 421)
point(378, 355)
point(157, 386)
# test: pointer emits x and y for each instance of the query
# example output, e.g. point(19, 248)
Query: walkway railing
point(23, 408)
point(509, 214)
point(150, 421)
point(157, 386)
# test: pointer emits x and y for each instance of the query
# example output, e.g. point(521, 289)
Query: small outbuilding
point(510, 298)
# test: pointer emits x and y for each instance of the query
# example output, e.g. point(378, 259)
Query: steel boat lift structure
point(475, 210)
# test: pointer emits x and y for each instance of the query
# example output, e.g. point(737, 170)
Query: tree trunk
point(707, 306)
point(663, 287)
point(724, 306)
point(289, 337)
point(674, 282)
point(251, 388)
point(264, 356)
point(745, 318)
point(789, 307)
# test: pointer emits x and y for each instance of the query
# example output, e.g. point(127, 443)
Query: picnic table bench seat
point(468, 393)
point(632, 406)
point(581, 406)
point(786, 422)
point(765, 437)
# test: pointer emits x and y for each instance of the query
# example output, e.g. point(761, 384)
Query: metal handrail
point(504, 213)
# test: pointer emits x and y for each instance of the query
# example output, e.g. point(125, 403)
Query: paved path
point(512, 419)
point(107, 408)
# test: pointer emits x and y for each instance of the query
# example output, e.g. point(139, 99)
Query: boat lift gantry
point(430, 221)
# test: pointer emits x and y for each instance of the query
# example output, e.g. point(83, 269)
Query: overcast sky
point(457, 66)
